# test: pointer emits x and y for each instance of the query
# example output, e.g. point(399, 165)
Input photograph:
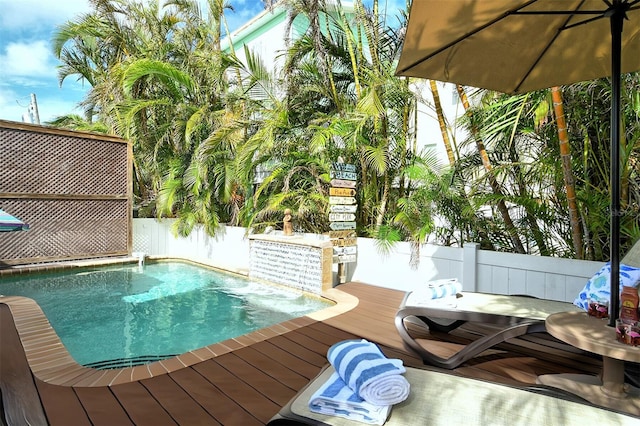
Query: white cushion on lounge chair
point(496, 304)
point(441, 399)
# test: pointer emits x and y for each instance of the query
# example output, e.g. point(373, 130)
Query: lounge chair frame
point(513, 315)
point(517, 315)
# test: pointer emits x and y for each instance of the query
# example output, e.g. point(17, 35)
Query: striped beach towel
point(372, 376)
point(335, 398)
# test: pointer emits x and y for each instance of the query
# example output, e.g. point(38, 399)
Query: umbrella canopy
point(515, 46)
point(11, 223)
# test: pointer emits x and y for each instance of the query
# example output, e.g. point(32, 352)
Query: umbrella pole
point(616, 19)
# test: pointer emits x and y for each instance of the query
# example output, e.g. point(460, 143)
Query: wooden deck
point(243, 381)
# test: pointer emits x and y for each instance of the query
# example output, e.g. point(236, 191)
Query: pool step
point(126, 362)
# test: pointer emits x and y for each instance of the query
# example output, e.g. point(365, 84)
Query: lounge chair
point(440, 398)
point(510, 316)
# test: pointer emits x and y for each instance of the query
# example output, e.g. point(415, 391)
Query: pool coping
point(50, 361)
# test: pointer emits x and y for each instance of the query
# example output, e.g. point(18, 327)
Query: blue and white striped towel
point(372, 376)
point(442, 288)
point(335, 398)
point(441, 292)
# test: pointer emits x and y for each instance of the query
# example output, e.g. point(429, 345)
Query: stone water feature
point(303, 262)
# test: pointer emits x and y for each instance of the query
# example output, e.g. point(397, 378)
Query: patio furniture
point(592, 334)
point(440, 398)
point(512, 316)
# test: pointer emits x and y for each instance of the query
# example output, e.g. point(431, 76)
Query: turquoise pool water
point(115, 316)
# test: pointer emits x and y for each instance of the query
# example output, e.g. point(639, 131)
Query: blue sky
point(27, 65)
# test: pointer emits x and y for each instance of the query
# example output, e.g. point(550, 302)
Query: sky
point(27, 65)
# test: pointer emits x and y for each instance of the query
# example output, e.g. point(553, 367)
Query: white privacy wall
point(543, 277)
point(393, 269)
point(229, 250)
point(478, 270)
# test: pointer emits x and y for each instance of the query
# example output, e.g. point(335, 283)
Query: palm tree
point(282, 146)
point(191, 105)
point(588, 127)
point(444, 128)
point(442, 197)
point(493, 182)
point(94, 48)
point(569, 181)
point(359, 110)
point(158, 79)
point(89, 47)
point(383, 104)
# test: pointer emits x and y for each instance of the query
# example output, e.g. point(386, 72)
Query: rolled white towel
point(435, 293)
point(371, 375)
point(335, 398)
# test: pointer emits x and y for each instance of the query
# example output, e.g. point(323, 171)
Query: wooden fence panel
point(72, 188)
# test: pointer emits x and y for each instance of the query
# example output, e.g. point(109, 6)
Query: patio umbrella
point(516, 46)
point(11, 223)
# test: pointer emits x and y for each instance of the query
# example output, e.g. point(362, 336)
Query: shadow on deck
point(243, 381)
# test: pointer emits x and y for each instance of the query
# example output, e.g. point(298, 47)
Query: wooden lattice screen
point(72, 188)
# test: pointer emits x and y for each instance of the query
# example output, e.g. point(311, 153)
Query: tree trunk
point(442, 122)
point(495, 186)
point(484, 238)
point(532, 220)
point(382, 210)
point(569, 181)
point(383, 202)
point(406, 115)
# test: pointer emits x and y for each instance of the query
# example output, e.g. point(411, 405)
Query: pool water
point(117, 316)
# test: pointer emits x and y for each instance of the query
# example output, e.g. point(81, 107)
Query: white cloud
point(27, 60)
point(23, 14)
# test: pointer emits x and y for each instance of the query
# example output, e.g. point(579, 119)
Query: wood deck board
point(248, 381)
point(102, 407)
point(62, 406)
point(317, 346)
point(273, 368)
point(288, 344)
point(270, 388)
point(16, 381)
point(177, 402)
point(218, 405)
point(237, 390)
point(140, 405)
point(300, 366)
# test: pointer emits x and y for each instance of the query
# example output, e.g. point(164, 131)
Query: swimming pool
point(126, 315)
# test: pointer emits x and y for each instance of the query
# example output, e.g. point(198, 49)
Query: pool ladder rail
point(140, 255)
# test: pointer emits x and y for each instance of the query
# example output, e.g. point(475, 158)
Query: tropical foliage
point(222, 140)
